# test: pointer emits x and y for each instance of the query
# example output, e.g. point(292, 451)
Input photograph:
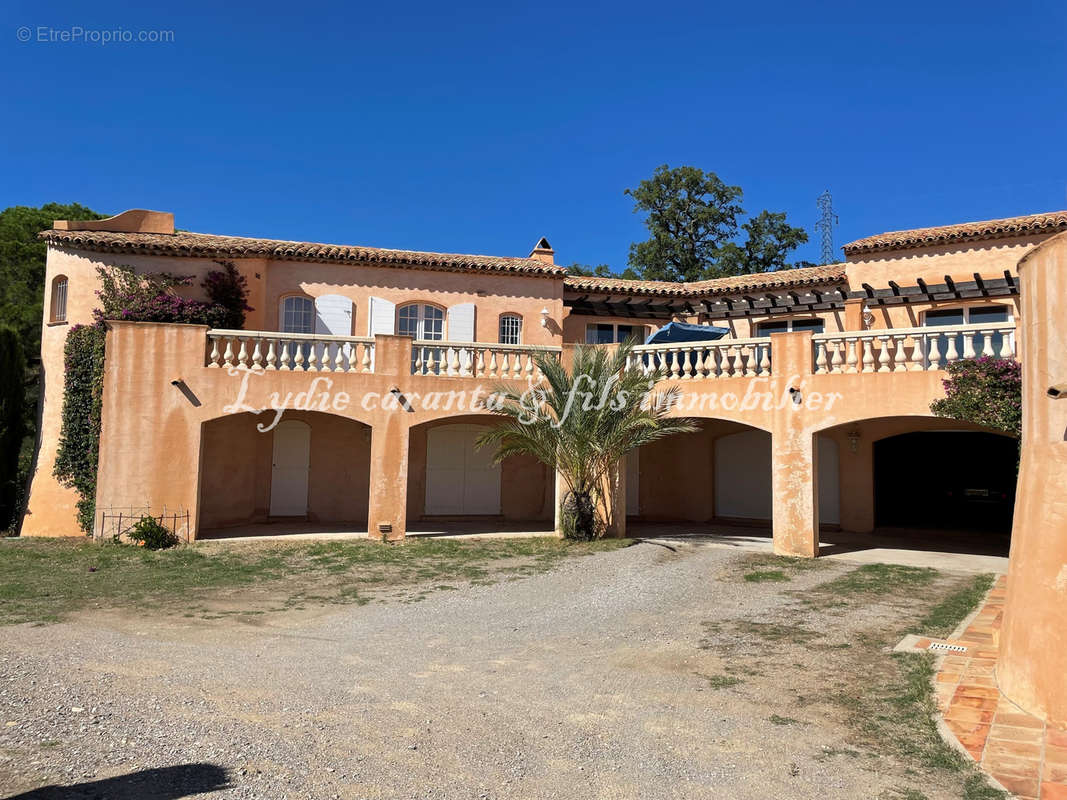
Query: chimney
point(543, 251)
point(136, 220)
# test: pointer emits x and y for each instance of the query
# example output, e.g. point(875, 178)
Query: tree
point(602, 271)
point(581, 423)
point(694, 219)
point(985, 391)
point(12, 423)
point(22, 258)
point(769, 241)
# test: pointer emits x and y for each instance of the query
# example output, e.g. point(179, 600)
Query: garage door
point(460, 478)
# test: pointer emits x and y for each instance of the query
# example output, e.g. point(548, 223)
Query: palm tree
point(582, 424)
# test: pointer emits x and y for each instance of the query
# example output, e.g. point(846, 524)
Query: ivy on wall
point(79, 437)
point(127, 295)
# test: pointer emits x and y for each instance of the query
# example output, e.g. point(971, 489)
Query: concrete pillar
point(794, 467)
point(613, 502)
point(1032, 666)
point(387, 510)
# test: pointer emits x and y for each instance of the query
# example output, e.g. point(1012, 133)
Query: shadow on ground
point(164, 783)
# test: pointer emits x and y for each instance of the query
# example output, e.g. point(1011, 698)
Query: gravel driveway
point(595, 680)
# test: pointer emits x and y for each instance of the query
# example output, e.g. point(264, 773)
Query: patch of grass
point(976, 788)
point(762, 575)
point(777, 720)
point(872, 581)
point(722, 681)
point(776, 632)
point(44, 580)
point(943, 618)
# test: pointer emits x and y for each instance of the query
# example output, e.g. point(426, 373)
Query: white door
point(829, 483)
point(743, 475)
point(633, 485)
point(460, 478)
point(290, 468)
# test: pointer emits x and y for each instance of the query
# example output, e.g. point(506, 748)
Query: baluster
point(213, 359)
point(867, 348)
point(968, 344)
point(284, 366)
point(504, 364)
point(837, 360)
point(453, 361)
point(340, 363)
point(700, 365)
point(492, 364)
point(935, 352)
point(298, 359)
point(242, 356)
point(479, 364)
point(516, 365)
point(257, 355)
point(747, 367)
point(725, 365)
point(918, 352)
point(368, 349)
point(686, 371)
point(987, 343)
point(313, 357)
point(883, 354)
point(899, 364)
point(765, 359)
point(529, 366)
point(675, 371)
point(272, 356)
point(850, 360)
point(951, 354)
point(820, 358)
point(418, 361)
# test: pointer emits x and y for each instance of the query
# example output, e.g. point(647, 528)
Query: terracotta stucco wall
point(1032, 669)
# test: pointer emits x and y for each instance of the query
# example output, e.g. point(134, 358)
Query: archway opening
point(308, 474)
point(948, 481)
point(455, 488)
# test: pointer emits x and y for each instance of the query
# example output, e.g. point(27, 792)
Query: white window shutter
point(461, 323)
point(333, 315)
point(381, 317)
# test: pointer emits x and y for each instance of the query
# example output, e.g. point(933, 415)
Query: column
point(387, 513)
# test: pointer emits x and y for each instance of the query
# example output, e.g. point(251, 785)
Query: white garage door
point(460, 478)
point(743, 477)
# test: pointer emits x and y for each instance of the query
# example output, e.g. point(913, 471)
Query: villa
point(814, 410)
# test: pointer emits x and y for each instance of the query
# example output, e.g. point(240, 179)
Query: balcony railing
point(723, 358)
point(290, 351)
point(477, 359)
point(909, 349)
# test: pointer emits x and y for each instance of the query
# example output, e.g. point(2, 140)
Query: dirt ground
point(653, 671)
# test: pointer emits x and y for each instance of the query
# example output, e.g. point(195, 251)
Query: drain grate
point(947, 648)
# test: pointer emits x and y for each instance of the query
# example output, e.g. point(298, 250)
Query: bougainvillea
point(986, 391)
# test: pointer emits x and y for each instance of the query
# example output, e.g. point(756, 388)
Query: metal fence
point(116, 522)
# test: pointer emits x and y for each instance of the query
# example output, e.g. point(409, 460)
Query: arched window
point(421, 321)
point(510, 329)
point(298, 314)
point(58, 305)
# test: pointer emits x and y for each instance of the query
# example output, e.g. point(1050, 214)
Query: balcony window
point(421, 322)
point(968, 315)
point(789, 326)
point(298, 315)
point(58, 305)
point(612, 333)
point(511, 329)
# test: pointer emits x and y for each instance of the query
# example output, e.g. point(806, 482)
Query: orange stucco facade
point(178, 431)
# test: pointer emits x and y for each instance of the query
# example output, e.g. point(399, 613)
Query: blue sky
point(479, 128)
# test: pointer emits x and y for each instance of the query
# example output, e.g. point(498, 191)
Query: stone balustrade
point(723, 358)
point(477, 359)
point(289, 351)
point(909, 349)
